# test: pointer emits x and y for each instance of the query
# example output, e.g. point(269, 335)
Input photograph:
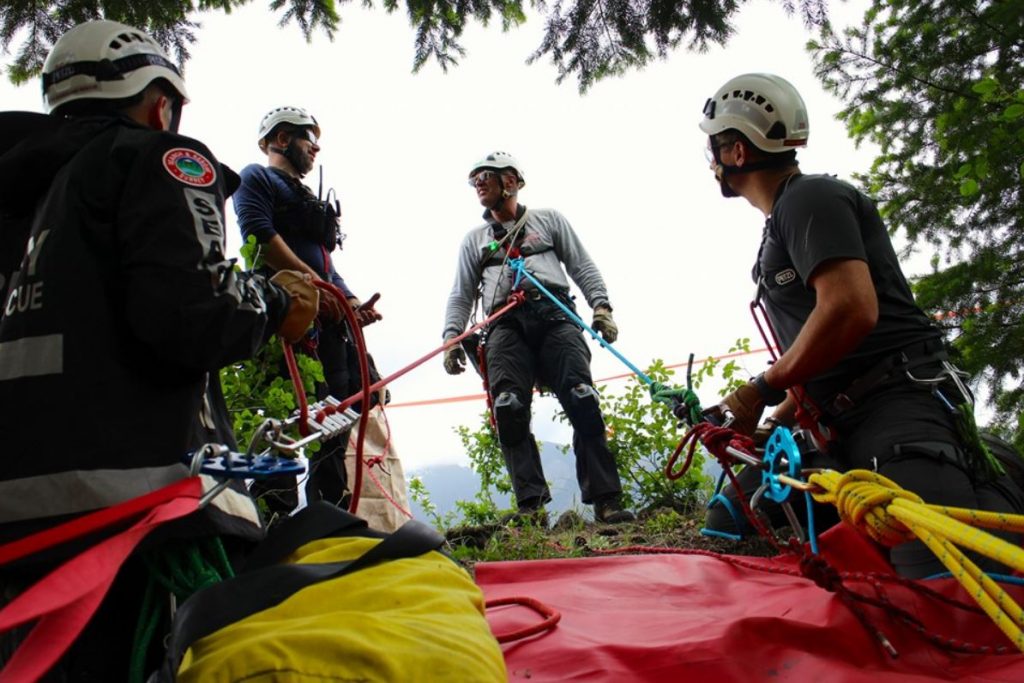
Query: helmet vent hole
point(769, 108)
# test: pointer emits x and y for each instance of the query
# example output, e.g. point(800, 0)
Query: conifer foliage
point(937, 85)
point(588, 39)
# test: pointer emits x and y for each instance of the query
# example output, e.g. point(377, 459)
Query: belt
point(534, 294)
point(891, 367)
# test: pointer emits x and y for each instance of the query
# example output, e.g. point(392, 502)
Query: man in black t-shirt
point(877, 389)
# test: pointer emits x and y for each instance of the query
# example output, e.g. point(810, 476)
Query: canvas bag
point(352, 604)
point(383, 497)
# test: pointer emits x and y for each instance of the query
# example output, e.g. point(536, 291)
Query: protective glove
point(746, 404)
point(330, 308)
point(454, 360)
point(765, 430)
point(302, 308)
point(604, 324)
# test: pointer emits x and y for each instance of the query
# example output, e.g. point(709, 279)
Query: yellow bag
point(416, 618)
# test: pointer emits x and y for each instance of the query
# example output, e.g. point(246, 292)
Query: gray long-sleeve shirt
point(548, 243)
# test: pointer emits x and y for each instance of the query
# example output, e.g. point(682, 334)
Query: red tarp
point(700, 618)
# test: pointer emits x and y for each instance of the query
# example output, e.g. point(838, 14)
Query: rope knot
point(717, 439)
point(865, 499)
point(815, 568)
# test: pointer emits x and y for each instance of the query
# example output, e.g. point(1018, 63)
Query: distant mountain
point(449, 483)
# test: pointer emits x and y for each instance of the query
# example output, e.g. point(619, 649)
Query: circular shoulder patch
point(189, 166)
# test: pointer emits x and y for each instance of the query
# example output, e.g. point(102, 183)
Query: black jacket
point(122, 304)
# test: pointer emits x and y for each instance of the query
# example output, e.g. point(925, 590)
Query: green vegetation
point(937, 86)
point(642, 437)
point(586, 39)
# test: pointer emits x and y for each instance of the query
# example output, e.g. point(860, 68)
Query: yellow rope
point(892, 515)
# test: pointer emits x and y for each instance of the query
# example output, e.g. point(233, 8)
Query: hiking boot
point(611, 512)
point(528, 514)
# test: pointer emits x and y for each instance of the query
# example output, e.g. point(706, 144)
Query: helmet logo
point(189, 167)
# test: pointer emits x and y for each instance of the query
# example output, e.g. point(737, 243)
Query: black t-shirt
point(817, 218)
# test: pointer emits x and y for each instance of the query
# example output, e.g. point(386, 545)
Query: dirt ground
point(572, 536)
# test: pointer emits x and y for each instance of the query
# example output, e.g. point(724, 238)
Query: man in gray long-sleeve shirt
point(535, 342)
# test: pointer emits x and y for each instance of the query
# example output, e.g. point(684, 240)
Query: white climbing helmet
point(764, 107)
point(499, 161)
point(296, 116)
point(105, 60)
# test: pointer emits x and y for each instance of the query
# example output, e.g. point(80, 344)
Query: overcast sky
point(624, 163)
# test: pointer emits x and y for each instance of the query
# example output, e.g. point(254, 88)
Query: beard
point(302, 162)
point(723, 184)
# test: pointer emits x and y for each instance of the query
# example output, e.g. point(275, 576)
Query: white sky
point(624, 163)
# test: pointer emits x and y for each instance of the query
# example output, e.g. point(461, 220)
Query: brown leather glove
point(302, 309)
point(746, 404)
point(604, 324)
point(454, 360)
point(765, 430)
point(330, 308)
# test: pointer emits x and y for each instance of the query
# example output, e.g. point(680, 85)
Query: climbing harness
point(808, 413)
point(519, 267)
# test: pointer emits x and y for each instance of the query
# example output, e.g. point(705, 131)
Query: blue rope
point(519, 265)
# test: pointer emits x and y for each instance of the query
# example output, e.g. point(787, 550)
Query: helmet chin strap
point(723, 171)
point(505, 194)
point(294, 157)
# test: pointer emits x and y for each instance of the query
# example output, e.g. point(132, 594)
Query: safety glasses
point(307, 134)
point(481, 177)
point(711, 152)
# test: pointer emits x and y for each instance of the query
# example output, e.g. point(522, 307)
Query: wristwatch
point(770, 395)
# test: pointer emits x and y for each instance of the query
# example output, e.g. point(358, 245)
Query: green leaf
point(1014, 111)
point(985, 86)
point(969, 187)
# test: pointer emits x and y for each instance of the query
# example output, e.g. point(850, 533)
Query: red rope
point(715, 439)
point(364, 381)
point(300, 391)
point(816, 569)
point(514, 300)
point(551, 617)
point(378, 460)
point(367, 390)
point(387, 496)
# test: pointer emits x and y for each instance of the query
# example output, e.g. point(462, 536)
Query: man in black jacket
point(123, 305)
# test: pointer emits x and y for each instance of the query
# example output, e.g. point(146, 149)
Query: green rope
point(671, 396)
point(145, 629)
point(180, 568)
point(986, 465)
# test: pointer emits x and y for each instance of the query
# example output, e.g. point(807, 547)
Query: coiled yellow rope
point(892, 515)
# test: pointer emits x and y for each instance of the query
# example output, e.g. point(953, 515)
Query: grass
point(572, 537)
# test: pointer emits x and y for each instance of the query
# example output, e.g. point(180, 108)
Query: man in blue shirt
point(296, 230)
